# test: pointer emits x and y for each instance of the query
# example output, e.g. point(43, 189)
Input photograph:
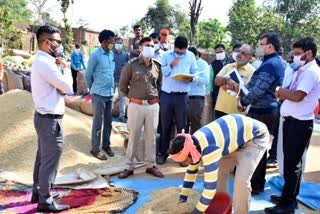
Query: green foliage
point(65, 5)
point(210, 33)
point(181, 22)
point(17, 10)
point(69, 36)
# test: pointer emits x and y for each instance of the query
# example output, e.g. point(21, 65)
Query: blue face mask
point(294, 66)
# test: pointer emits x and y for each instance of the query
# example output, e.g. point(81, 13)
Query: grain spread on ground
point(165, 201)
point(19, 140)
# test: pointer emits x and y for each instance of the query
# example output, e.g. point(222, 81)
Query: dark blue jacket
point(262, 85)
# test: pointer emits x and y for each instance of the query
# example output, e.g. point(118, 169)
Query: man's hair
point(220, 46)
point(181, 42)
point(237, 45)
point(251, 50)
point(136, 26)
point(193, 50)
point(44, 30)
point(77, 46)
point(274, 39)
point(105, 35)
point(306, 44)
point(145, 39)
point(177, 145)
point(118, 38)
point(155, 36)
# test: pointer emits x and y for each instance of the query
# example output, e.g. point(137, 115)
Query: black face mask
point(56, 50)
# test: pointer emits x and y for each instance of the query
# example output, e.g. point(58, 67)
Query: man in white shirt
point(50, 80)
point(297, 110)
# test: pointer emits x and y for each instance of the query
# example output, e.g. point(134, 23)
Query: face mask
point(118, 46)
point(234, 56)
point(156, 47)
point(110, 46)
point(297, 60)
point(259, 52)
point(77, 51)
point(240, 62)
point(56, 50)
point(220, 56)
point(148, 52)
point(294, 66)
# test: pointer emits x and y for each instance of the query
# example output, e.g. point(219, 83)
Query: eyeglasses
point(56, 40)
point(244, 53)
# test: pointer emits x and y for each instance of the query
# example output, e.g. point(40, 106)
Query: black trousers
point(296, 138)
point(74, 77)
point(273, 149)
point(258, 178)
point(195, 109)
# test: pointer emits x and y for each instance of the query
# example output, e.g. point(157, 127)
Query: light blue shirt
point(199, 83)
point(99, 74)
point(187, 65)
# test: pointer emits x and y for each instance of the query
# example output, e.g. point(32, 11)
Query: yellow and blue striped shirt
point(217, 139)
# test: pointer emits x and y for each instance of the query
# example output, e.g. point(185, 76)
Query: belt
point(177, 93)
point(196, 97)
point(50, 116)
point(144, 102)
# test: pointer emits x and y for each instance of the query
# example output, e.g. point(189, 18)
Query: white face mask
point(118, 46)
point(148, 52)
point(260, 52)
point(156, 47)
point(77, 50)
point(234, 56)
point(297, 60)
point(220, 56)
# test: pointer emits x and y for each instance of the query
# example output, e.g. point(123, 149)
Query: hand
point(60, 62)
point(60, 92)
point(240, 108)
point(232, 85)
point(175, 62)
point(188, 79)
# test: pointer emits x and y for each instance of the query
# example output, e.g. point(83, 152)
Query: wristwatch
point(278, 88)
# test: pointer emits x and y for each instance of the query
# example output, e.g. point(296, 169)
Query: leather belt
point(196, 97)
point(144, 102)
point(289, 118)
point(50, 116)
point(177, 93)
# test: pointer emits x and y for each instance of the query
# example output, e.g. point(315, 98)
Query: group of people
point(167, 86)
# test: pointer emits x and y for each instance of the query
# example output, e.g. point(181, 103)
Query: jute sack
point(5, 81)
point(14, 80)
point(73, 102)
point(81, 85)
point(116, 108)
point(86, 107)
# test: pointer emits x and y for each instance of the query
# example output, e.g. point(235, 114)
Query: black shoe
point(257, 191)
point(280, 209)
point(52, 208)
point(161, 159)
point(35, 197)
point(109, 152)
point(99, 155)
point(277, 199)
point(272, 163)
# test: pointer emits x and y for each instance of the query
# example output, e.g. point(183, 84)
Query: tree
point(160, 16)
point(17, 10)
point(210, 33)
point(41, 13)
point(181, 22)
point(301, 18)
point(68, 40)
point(195, 11)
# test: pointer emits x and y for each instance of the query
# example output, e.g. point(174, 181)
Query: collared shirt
point(120, 59)
point(308, 82)
point(99, 74)
point(77, 61)
point(46, 78)
point(217, 139)
point(199, 82)
point(141, 81)
point(225, 102)
point(157, 55)
point(187, 65)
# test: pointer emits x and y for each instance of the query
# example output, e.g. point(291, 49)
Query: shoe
point(155, 171)
point(183, 164)
point(277, 199)
point(52, 208)
point(161, 159)
point(272, 163)
point(280, 209)
point(257, 191)
point(35, 197)
point(126, 173)
point(99, 155)
point(109, 151)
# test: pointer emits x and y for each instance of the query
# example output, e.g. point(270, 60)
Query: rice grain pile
point(165, 201)
point(18, 139)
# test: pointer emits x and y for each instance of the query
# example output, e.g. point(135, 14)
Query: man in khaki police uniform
point(141, 81)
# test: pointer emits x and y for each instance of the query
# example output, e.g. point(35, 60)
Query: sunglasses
point(56, 40)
